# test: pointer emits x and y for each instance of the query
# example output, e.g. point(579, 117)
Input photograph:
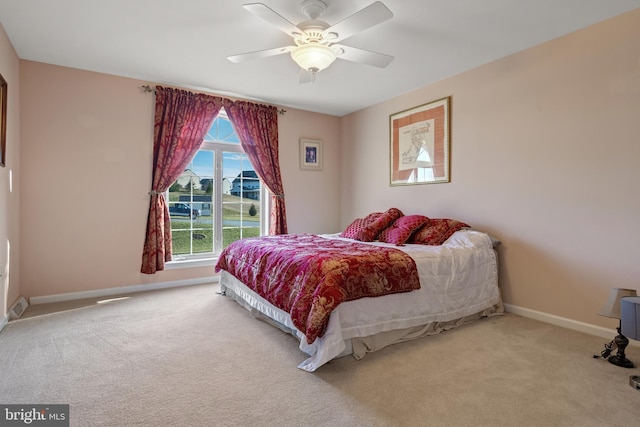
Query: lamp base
point(620, 361)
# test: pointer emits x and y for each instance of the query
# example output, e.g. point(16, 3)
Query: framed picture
point(420, 144)
point(310, 154)
point(3, 121)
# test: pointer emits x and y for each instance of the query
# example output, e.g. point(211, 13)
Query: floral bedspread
point(308, 276)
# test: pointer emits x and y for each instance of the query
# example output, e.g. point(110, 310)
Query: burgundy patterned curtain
point(257, 127)
point(181, 122)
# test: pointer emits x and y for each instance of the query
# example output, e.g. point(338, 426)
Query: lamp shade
point(313, 57)
point(630, 317)
point(612, 308)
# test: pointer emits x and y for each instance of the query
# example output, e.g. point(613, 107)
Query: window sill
point(190, 263)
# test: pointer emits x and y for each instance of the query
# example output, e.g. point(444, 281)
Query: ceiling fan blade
point(362, 56)
point(272, 17)
point(365, 18)
point(259, 54)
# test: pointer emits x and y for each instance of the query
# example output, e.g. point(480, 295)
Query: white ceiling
point(185, 43)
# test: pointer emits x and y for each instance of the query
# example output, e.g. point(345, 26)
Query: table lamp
point(612, 309)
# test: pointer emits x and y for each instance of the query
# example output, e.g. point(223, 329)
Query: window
point(218, 198)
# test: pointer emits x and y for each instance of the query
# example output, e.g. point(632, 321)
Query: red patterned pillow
point(353, 230)
point(371, 231)
point(402, 228)
point(437, 231)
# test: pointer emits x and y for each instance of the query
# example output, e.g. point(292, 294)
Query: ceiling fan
point(316, 42)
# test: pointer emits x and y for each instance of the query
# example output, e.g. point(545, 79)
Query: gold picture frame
point(3, 121)
point(310, 154)
point(420, 144)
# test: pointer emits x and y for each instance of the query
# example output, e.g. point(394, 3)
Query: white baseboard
point(586, 328)
point(3, 322)
point(121, 290)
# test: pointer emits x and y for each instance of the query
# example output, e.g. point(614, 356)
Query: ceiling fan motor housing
point(312, 32)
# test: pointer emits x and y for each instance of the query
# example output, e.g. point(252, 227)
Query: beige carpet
point(190, 357)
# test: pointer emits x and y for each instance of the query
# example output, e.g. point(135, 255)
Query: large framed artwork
point(3, 121)
point(420, 144)
point(310, 154)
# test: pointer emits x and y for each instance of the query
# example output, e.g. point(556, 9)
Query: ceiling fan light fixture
point(313, 57)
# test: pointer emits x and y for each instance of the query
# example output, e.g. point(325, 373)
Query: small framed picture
point(310, 154)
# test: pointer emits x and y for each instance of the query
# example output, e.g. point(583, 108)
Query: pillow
point(437, 231)
point(353, 229)
point(402, 228)
point(370, 232)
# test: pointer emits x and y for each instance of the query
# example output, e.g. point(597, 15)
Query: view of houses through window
point(217, 199)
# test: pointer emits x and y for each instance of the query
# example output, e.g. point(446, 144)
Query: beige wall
point(545, 152)
point(10, 182)
point(544, 155)
point(311, 196)
point(87, 152)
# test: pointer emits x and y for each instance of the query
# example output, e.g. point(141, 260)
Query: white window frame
point(210, 259)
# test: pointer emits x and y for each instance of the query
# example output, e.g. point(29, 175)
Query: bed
point(457, 284)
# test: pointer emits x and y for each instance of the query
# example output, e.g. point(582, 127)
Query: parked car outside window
point(182, 209)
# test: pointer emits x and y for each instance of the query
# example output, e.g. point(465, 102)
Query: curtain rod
point(149, 89)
